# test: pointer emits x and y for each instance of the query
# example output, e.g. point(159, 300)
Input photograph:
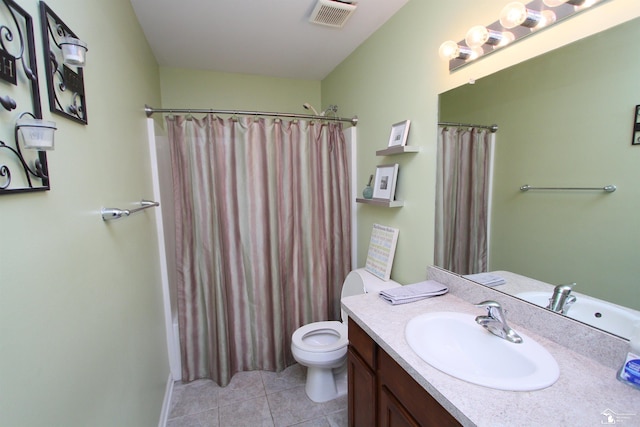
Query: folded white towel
point(486, 279)
point(414, 292)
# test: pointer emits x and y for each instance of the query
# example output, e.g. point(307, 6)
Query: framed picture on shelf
point(635, 140)
point(385, 182)
point(399, 134)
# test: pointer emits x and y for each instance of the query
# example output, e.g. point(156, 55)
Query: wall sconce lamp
point(517, 21)
point(35, 134)
point(66, 55)
point(74, 51)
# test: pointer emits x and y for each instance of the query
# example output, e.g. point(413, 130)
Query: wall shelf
point(398, 150)
point(382, 202)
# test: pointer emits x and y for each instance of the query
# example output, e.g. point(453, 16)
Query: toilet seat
point(302, 337)
point(322, 346)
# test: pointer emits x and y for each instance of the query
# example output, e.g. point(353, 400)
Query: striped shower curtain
point(462, 199)
point(263, 237)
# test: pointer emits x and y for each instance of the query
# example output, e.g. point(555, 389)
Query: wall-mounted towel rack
point(115, 213)
point(607, 188)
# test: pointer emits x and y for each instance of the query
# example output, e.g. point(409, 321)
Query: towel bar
point(607, 188)
point(114, 213)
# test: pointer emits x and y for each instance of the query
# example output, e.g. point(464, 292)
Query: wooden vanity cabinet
point(382, 393)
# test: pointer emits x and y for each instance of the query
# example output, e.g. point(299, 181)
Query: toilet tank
point(360, 281)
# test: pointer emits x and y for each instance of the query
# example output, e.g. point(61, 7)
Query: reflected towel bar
point(607, 188)
point(115, 213)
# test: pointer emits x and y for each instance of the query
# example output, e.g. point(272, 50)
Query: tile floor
point(256, 398)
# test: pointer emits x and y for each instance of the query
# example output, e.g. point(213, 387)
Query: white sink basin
point(455, 344)
point(591, 311)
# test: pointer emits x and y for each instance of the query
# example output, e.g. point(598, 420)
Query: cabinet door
point(392, 413)
point(362, 392)
point(404, 400)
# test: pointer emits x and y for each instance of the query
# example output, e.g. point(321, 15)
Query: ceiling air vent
point(332, 13)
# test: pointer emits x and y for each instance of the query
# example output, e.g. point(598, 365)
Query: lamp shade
point(36, 134)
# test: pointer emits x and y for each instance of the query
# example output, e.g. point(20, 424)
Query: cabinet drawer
point(362, 343)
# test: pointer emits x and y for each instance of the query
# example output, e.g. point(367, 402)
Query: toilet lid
point(337, 328)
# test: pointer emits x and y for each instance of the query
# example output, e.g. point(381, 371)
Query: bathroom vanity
point(389, 384)
point(382, 393)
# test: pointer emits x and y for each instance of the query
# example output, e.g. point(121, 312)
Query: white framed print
point(399, 134)
point(382, 249)
point(385, 183)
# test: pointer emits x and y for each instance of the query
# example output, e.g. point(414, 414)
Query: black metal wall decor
point(65, 82)
point(19, 97)
point(635, 140)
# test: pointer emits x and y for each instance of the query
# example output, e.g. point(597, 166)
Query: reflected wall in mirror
point(564, 121)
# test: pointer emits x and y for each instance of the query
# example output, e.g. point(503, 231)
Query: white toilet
point(322, 346)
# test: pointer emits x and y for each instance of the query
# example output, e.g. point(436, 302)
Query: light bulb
point(516, 13)
point(507, 37)
point(513, 15)
point(586, 4)
point(477, 36)
point(547, 17)
point(449, 50)
point(554, 3)
point(480, 35)
point(473, 53)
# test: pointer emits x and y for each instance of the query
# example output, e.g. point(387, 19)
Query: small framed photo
point(399, 134)
point(635, 140)
point(385, 183)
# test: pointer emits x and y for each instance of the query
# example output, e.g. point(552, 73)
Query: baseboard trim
point(166, 404)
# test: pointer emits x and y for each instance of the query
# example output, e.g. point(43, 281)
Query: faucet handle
point(564, 289)
point(496, 321)
point(491, 305)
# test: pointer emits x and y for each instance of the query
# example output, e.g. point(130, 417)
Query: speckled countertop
point(584, 394)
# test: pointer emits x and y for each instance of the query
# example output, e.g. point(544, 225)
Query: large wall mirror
point(565, 120)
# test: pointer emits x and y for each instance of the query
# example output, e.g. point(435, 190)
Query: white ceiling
point(263, 37)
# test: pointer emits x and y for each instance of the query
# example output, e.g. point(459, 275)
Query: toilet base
point(326, 384)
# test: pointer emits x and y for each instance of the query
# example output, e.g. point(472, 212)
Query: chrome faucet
point(496, 322)
point(561, 299)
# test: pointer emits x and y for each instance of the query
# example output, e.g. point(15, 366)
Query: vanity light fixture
point(517, 21)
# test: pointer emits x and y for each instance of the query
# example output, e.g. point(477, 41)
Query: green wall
point(82, 340)
point(225, 91)
point(565, 120)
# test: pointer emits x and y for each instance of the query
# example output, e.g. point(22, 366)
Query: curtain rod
point(492, 128)
point(150, 110)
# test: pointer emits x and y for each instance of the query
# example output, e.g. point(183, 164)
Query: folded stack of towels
point(414, 292)
point(486, 279)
